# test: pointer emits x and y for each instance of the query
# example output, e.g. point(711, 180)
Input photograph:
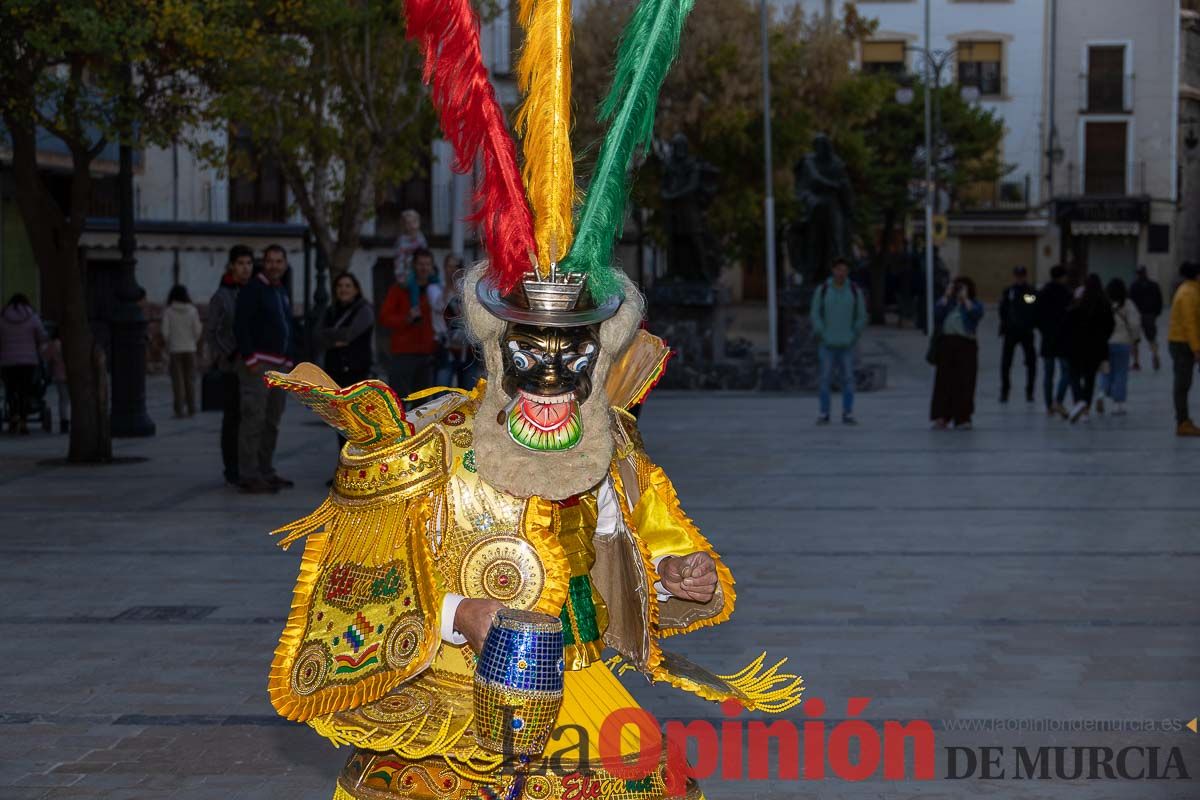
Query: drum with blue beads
point(519, 682)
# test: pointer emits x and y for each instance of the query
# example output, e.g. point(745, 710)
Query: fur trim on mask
point(507, 465)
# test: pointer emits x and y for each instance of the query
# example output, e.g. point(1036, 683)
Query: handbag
point(931, 354)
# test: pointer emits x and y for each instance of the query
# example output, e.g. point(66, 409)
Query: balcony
point(1005, 197)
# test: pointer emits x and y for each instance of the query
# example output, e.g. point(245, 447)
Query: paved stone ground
point(1026, 570)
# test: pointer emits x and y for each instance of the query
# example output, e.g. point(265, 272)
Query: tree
point(965, 152)
point(333, 94)
point(713, 95)
point(88, 73)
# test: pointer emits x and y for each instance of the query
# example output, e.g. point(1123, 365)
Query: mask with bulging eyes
point(548, 373)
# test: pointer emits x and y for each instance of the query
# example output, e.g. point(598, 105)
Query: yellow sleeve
point(1191, 320)
point(661, 528)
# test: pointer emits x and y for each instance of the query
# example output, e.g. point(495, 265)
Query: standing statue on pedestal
point(688, 186)
point(822, 232)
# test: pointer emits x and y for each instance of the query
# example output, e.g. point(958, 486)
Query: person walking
point(181, 331)
point(56, 367)
point(221, 347)
point(1122, 348)
point(1017, 324)
point(1183, 342)
point(956, 318)
point(346, 332)
point(21, 338)
point(1148, 298)
point(839, 316)
point(1050, 315)
point(263, 324)
point(458, 365)
point(413, 342)
point(1090, 324)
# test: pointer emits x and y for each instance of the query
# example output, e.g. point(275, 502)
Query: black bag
point(931, 355)
point(212, 391)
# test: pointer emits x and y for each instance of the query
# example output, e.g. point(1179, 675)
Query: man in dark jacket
point(263, 325)
point(1148, 298)
point(1017, 323)
point(221, 344)
point(1050, 314)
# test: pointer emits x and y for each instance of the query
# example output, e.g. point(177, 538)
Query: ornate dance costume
point(533, 490)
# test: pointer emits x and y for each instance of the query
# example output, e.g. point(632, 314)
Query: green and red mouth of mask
point(545, 424)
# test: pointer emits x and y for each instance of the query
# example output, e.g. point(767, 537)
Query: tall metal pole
point(128, 415)
point(769, 201)
point(929, 188)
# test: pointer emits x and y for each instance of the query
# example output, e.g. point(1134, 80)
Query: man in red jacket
point(413, 340)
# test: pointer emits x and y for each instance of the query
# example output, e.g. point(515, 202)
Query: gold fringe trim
point(540, 523)
point(756, 688)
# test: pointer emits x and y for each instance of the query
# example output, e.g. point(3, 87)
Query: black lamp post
point(128, 324)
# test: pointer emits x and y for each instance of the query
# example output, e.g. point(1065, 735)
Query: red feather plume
point(473, 123)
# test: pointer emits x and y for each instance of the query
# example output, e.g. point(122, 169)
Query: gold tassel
point(771, 691)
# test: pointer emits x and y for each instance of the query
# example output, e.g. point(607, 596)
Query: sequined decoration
point(504, 568)
point(519, 683)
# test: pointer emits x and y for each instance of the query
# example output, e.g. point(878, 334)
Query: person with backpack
point(1122, 347)
point(839, 316)
point(1017, 323)
point(1147, 296)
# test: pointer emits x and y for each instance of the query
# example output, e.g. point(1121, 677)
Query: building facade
point(1123, 89)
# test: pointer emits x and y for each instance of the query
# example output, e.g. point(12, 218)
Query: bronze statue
point(822, 231)
point(688, 186)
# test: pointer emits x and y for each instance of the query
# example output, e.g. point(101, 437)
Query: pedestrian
point(839, 316)
point(1122, 348)
point(1050, 313)
point(263, 324)
point(221, 346)
point(1017, 324)
point(1183, 342)
point(956, 318)
point(413, 342)
point(21, 338)
point(346, 332)
point(56, 368)
point(458, 366)
point(181, 331)
point(1148, 298)
point(1090, 324)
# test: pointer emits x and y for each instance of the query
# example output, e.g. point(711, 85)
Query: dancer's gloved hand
point(474, 618)
point(690, 577)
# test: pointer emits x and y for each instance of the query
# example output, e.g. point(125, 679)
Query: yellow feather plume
point(544, 122)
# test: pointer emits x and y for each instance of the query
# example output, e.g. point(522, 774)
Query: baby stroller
point(38, 410)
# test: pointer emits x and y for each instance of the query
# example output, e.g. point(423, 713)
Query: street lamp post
point(769, 200)
point(933, 62)
point(128, 323)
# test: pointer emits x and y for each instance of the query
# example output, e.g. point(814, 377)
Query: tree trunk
point(879, 269)
point(54, 239)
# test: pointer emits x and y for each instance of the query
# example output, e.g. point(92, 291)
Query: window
point(883, 58)
point(1105, 157)
point(1106, 79)
point(257, 191)
point(980, 64)
point(414, 193)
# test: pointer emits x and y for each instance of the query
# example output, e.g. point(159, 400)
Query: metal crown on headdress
point(558, 291)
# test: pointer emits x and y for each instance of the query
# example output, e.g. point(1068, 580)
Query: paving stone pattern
point(1025, 570)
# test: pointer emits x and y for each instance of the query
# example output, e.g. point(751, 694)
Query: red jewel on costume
point(413, 457)
point(383, 467)
point(362, 473)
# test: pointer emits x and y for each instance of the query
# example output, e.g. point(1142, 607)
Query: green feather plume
point(649, 44)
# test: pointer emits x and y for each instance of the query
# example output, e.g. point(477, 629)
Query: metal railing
point(1002, 195)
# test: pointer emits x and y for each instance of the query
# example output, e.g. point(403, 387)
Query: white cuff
point(663, 593)
point(450, 605)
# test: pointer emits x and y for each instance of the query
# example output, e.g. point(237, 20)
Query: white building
point(999, 49)
point(1125, 86)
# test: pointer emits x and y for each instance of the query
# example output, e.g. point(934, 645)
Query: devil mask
point(548, 374)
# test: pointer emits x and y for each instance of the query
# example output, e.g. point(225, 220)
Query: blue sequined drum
point(519, 682)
